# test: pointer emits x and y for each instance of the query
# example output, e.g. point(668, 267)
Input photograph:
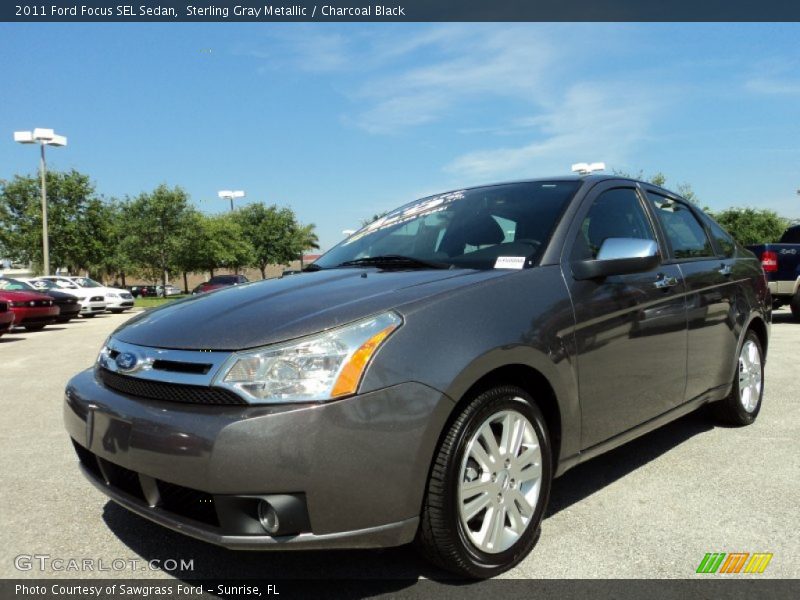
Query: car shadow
point(396, 567)
point(586, 479)
point(8, 338)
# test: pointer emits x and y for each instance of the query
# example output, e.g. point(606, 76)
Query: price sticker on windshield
point(509, 262)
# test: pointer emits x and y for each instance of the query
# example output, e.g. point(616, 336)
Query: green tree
point(752, 225)
point(76, 219)
point(271, 232)
point(154, 222)
point(115, 261)
point(208, 243)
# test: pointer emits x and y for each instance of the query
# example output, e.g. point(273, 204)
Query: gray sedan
point(426, 379)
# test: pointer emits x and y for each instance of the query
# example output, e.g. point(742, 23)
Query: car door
point(630, 330)
point(710, 294)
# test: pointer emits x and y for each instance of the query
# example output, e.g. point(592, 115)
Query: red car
point(32, 310)
point(6, 317)
point(220, 281)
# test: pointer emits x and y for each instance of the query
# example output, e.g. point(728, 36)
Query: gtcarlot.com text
point(46, 562)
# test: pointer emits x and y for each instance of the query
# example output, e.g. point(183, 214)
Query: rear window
point(722, 239)
point(685, 234)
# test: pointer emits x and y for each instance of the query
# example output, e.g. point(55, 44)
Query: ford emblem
point(126, 361)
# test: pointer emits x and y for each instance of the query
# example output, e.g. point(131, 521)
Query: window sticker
point(509, 262)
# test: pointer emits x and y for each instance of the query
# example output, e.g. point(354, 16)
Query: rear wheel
point(489, 486)
point(794, 304)
point(743, 404)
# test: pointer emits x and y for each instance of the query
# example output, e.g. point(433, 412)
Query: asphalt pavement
point(650, 509)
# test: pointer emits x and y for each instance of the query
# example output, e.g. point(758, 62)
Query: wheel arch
point(561, 417)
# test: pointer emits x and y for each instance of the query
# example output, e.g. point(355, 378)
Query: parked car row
point(36, 303)
point(159, 291)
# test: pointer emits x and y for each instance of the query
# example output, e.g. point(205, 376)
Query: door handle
point(725, 270)
point(665, 282)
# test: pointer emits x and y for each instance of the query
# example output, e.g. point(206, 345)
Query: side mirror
point(619, 256)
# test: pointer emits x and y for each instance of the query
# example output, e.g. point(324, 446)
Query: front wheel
point(37, 327)
point(743, 404)
point(488, 486)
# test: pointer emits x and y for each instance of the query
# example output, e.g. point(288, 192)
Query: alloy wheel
point(749, 375)
point(500, 481)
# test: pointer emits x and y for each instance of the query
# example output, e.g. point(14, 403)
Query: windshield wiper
point(311, 268)
point(394, 260)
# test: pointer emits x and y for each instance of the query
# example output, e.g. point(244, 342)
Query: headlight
point(317, 368)
point(112, 295)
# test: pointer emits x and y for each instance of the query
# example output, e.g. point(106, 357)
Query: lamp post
point(43, 137)
point(230, 195)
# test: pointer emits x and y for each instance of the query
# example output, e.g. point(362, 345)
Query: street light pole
point(45, 236)
point(43, 137)
point(230, 195)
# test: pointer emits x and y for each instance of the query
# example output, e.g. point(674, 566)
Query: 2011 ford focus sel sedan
point(427, 379)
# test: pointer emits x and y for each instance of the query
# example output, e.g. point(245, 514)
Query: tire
point(37, 327)
point(743, 404)
point(89, 315)
point(794, 304)
point(448, 536)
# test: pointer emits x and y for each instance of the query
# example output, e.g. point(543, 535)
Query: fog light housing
point(268, 517)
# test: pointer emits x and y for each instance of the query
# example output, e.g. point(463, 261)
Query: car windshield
point(86, 282)
point(15, 285)
point(463, 229)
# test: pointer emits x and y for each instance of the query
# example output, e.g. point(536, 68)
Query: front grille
point(97, 299)
point(182, 501)
point(169, 392)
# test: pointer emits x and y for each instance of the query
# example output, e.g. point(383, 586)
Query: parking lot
point(652, 508)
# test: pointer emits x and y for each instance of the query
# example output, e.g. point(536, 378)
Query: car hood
point(266, 312)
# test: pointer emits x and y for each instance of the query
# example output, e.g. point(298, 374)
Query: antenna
point(587, 168)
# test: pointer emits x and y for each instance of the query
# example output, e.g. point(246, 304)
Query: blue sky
point(342, 121)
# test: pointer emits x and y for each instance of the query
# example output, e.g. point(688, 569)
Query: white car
point(92, 302)
point(117, 300)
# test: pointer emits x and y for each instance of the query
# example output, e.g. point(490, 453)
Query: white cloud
point(773, 86)
point(590, 122)
point(463, 64)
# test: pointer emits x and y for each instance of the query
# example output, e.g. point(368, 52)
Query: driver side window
point(615, 213)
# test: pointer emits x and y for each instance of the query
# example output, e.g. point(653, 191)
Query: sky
point(342, 121)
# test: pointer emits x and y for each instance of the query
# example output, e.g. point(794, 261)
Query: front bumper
point(92, 308)
point(360, 464)
point(35, 315)
point(119, 304)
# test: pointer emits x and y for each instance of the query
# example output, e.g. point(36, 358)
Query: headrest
point(483, 230)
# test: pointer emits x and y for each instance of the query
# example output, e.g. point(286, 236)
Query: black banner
point(732, 588)
point(173, 11)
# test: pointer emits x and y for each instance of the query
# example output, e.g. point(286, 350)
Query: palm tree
point(305, 239)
